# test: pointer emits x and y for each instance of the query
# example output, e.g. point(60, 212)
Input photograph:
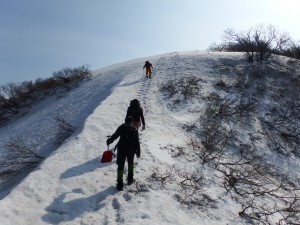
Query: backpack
point(128, 137)
point(135, 109)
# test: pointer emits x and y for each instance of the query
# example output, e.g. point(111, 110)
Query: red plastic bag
point(107, 156)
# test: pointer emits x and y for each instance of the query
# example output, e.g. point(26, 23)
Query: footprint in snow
point(116, 204)
point(127, 197)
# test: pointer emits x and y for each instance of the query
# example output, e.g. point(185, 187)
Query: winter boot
point(130, 178)
point(120, 184)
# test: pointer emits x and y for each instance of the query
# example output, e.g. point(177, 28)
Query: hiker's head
point(135, 103)
point(129, 120)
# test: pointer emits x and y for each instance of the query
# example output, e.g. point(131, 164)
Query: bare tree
point(15, 97)
point(65, 129)
point(68, 75)
point(258, 43)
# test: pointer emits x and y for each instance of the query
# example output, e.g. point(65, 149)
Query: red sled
point(107, 156)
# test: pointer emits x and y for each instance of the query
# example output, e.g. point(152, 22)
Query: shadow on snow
point(61, 210)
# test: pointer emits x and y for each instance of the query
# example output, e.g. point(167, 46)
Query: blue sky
point(38, 37)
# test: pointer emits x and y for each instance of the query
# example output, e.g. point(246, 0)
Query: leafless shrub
point(229, 106)
point(68, 75)
point(137, 187)
point(185, 87)
point(293, 51)
point(162, 177)
point(264, 193)
point(44, 86)
point(65, 130)
point(281, 127)
point(285, 207)
point(20, 158)
point(8, 99)
point(170, 87)
point(224, 67)
point(176, 151)
point(9, 90)
point(258, 43)
point(191, 184)
point(192, 190)
point(18, 149)
point(15, 97)
point(7, 107)
point(214, 143)
point(215, 47)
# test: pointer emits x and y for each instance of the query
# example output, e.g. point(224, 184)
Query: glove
point(143, 127)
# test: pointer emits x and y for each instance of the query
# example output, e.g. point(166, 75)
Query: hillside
point(221, 146)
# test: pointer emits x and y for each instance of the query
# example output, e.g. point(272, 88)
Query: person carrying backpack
point(128, 146)
point(135, 110)
point(148, 67)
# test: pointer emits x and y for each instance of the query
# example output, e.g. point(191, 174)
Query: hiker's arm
point(113, 137)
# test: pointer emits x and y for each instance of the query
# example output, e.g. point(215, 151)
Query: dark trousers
point(124, 154)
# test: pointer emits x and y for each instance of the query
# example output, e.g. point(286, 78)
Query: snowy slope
point(72, 187)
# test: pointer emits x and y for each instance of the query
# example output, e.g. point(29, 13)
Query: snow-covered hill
point(72, 187)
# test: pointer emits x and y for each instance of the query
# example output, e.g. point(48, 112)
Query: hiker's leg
point(130, 160)
point(148, 72)
point(120, 183)
point(121, 157)
point(130, 173)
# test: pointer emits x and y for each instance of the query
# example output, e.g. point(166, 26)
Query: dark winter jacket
point(137, 116)
point(147, 65)
point(129, 139)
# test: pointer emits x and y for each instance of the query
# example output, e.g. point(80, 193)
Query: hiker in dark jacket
point(128, 146)
point(135, 110)
point(148, 67)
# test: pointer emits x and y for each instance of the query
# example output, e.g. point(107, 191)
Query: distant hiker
point(148, 67)
point(135, 110)
point(128, 146)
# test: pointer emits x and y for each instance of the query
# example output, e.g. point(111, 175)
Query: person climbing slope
point(135, 110)
point(148, 67)
point(128, 146)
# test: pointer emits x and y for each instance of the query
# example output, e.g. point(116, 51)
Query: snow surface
point(72, 187)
